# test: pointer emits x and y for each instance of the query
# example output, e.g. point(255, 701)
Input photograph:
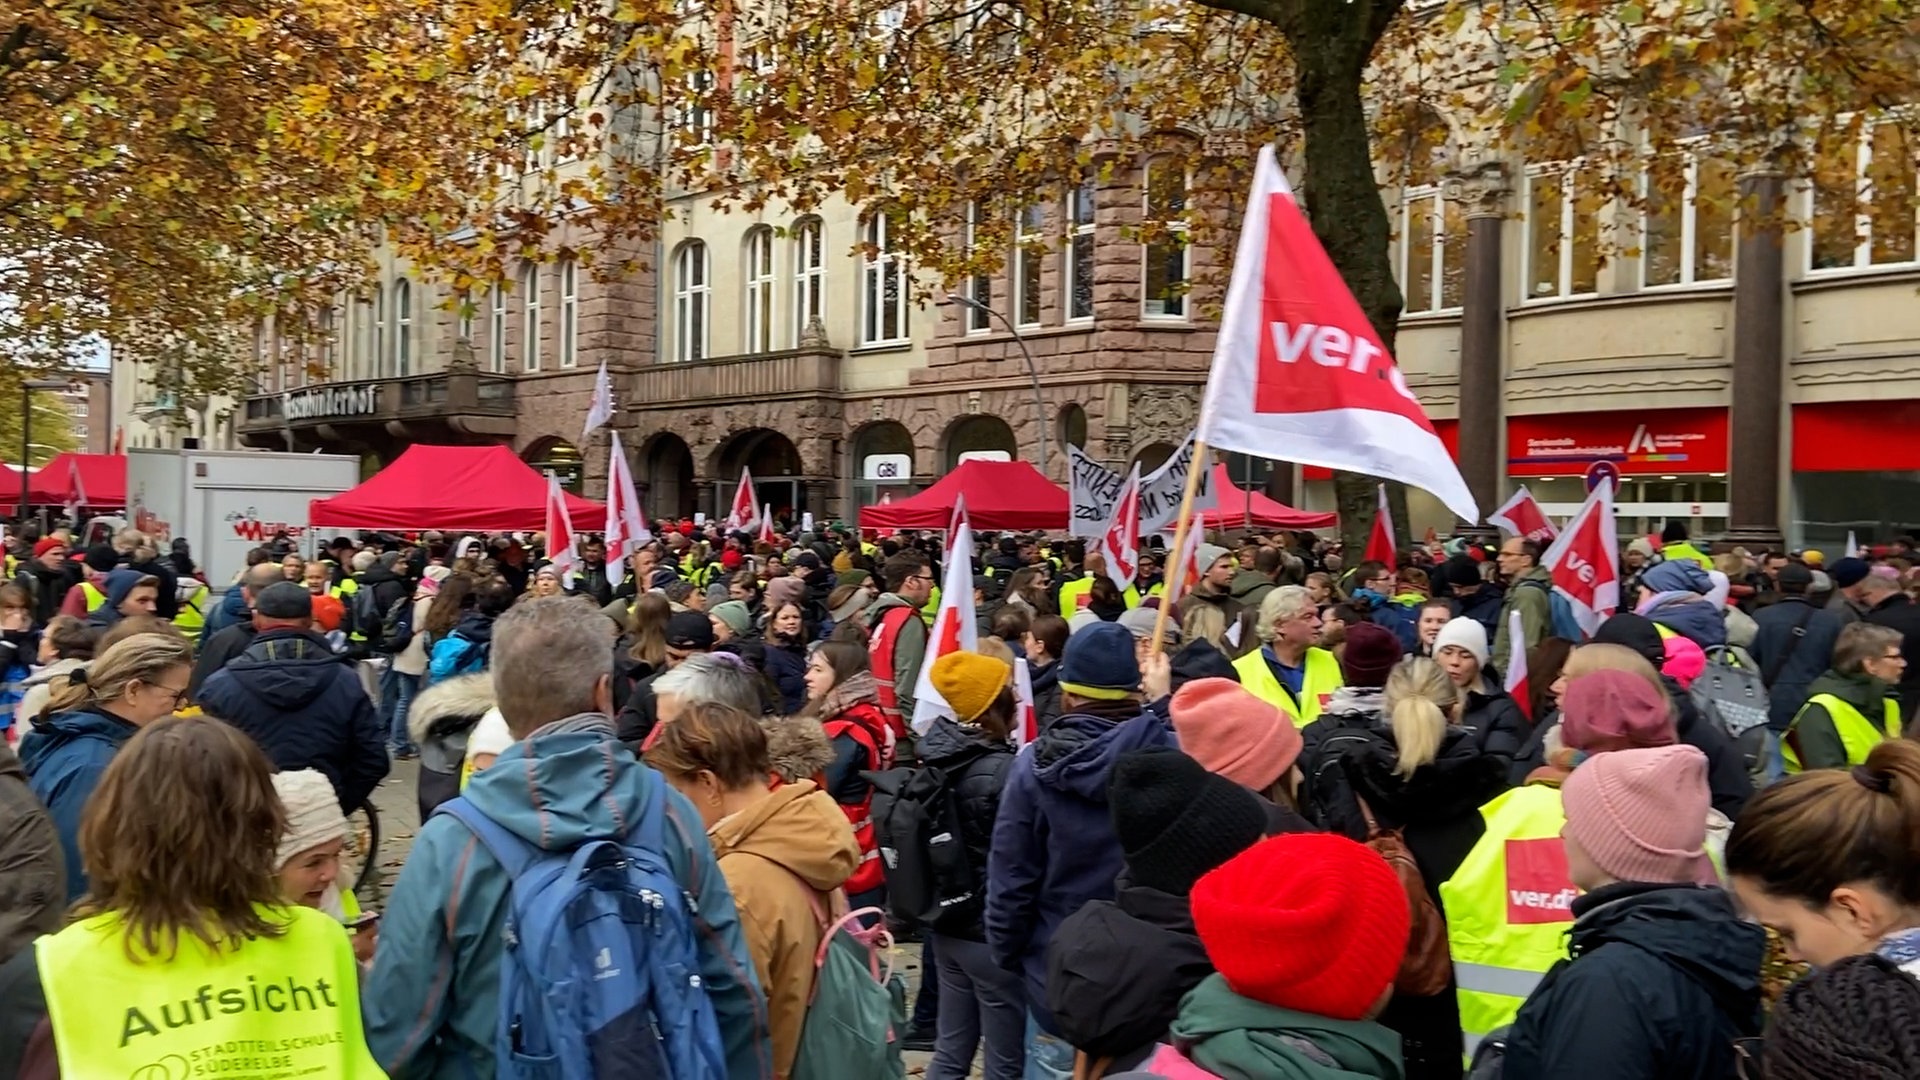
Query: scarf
point(854, 690)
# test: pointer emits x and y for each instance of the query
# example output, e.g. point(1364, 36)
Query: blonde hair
point(142, 658)
point(1419, 700)
point(1203, 622)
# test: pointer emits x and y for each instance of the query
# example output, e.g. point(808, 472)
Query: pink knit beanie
point(1224, 727)
point(1641, 815)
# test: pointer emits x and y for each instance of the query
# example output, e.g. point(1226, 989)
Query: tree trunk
point(1332, 43)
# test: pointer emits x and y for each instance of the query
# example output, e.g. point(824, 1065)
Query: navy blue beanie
point(1099, 663)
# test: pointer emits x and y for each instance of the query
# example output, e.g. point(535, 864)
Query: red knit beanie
point(1311, 922)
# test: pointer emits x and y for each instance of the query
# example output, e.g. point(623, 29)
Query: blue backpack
point(601, 975)
point(456, 655)
point(1562, 623)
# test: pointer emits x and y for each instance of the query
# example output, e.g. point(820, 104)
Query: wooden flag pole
point(1180, 535)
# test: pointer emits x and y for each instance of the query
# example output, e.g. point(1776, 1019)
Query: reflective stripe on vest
point(1508, 908)
point(870, 874)
point(1320, 680)
point(1070, 594)
point(94, 596)
point(880, 649)
point(280, 1006)
point(344, 592)
point(1857, 733)
point(192, 615)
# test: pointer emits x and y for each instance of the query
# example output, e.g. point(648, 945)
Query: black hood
point(378, 575)
point(286, 669)
point(475, 627)
point(1668, 921)
point(1116, 971)
point(1199, 659)
point(1460, 779)
point(951, 745)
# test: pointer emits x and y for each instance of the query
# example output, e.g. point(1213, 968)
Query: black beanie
point(1675, 532)
point(101, 558)
point(1636, 632)
point(1175, 820)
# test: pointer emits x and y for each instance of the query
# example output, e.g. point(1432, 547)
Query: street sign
point(1601, 471)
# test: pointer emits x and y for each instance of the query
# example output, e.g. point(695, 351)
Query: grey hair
point(712, 678)
point(262, 575)
point(1281, 605)
point(548, 658)
point(363, 561)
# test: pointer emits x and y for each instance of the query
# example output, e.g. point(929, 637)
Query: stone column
point(1759, 360)
point(1482, 191)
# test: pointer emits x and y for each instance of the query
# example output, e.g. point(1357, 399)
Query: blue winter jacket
point(432, 1000)
point(1053, 843)
point(231, 609)
point(64, 758)
point(1676, 598)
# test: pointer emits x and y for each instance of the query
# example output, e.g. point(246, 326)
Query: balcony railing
point(410, 397)
point(805, 373)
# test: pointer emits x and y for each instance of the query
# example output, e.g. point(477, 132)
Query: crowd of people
point(679, 812)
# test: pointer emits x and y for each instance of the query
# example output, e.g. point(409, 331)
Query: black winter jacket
point(1663, 979)
point(1727, 776)
point(306, 708)
point(1493, 715)
point(217, 651)
point(1117, 969)
point(976, 767)
point(1793, 667)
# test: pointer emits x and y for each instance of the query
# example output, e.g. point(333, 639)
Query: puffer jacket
point(1491, 713)
point(64, 758)
point(37, 688)
point(976, 767)
point(439, 722)
point(783, 858)
point(33, 875)
point(1663, 980)
point(1688, 614)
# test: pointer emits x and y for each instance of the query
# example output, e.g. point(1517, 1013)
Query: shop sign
point(1637, 443)
point(985, 455)
point(887, 468)
point(324, 402)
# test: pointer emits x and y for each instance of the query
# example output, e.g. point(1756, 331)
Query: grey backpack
point(1734, 698)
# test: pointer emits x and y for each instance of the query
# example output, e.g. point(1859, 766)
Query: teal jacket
point(431, 1002)
point(1241, 1039)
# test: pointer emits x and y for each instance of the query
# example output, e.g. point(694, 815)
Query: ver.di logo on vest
point(1539, 886)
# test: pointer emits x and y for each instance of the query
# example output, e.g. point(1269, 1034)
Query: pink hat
point(1224, 727)
point(1614, 710)
point(1686, 660)
point(1641, 815)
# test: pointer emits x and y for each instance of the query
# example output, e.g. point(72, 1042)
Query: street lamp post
point(27, 389)
point(1039, 406)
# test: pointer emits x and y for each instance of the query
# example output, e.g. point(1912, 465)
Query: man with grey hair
point(236, 637)
point(1288, 670)
point(709, 679)
point(432, 1001)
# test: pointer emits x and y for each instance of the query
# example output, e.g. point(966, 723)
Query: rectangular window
point(1433, 250)
point(1563, 235)
point(696, 111)
point(530, 319)
point(691, 294)
point(497, 330)
point(1079, 254)
point(569, 313)
point(809, 275)
point(979, 286)
point(1687, 226)
point(1864, 200)
point(379, 330)
point(760, 290)
point(886, 288)
point(403, 327)
point(1168, 267)
point(1028, 236)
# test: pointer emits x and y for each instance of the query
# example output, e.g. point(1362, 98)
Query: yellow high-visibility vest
point(281, 1006)
point(1857, 733)
point(1321, 679)
point(94, 596)
point(1508, 907)
point(1072, 591)
point(191, 618)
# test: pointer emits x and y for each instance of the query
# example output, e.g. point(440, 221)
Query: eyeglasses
point(179, 696)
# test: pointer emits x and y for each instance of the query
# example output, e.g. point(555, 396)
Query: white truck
point(227, 502)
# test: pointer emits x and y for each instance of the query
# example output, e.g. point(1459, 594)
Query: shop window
point(691, 294)
point(1029, 239)
point(1563, 233)
point(1863, 199)
point(1168, 259)
point(1078, 257)
point(759, 284)
point(885, 288)
point(1688, 221)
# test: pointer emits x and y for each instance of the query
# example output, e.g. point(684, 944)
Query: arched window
point(884, 291)
point(379, 360)
point(690, 302)
point(530, 318)
point(1168, 267)
point(760, 281)
point(809, 274)
point(403, 327)
point(569, 312)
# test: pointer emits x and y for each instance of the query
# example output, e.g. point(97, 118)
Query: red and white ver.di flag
point(1183, 570)
point(1585, 561)
point(1516, 684)
point(1026, 715)
point(1299, 373)
point(953, 625)
point(1522, 517)
point(627, 530)
point(600, 408)
point(563, 548)
point(767, 535)
point(1120, 541)
point(741, 517)
point(1380, 537)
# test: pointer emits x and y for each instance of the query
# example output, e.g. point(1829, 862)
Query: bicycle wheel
point(361, 854)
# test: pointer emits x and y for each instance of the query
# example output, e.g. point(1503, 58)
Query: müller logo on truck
point(323, 401)
point(248, 526)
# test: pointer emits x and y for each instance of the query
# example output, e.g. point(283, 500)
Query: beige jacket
point(782, 856)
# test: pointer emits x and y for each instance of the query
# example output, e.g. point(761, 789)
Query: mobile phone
point(365, 918)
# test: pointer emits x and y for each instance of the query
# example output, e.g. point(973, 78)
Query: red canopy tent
point(1002, 496)
point(103, 476)
point(456, 488)
point(1231, 509)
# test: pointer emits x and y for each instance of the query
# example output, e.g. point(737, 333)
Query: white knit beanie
point(313, 813)
point(1465, 633)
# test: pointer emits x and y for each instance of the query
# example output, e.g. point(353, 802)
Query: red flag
point(1183, 571)
point(1522, 516)
point(767, 535)
point(1516, 685)
point(741, 517)
point(1026, 727)
point(626, 530)
point(953, 625)
point(562, 545)
point(1299, 373)
point(1380, 540)
point(1585, 561)
point(1120, 542)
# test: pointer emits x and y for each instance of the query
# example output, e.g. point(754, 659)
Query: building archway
point(1153, 455)
point(883, 463)
point(980, 437)
point(779, 477)
point(666, 477)
point(1072, 426)
point(560, 457)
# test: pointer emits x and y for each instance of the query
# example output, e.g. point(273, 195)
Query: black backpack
point(365, 613)
point(931, 880)
point(396, 627)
